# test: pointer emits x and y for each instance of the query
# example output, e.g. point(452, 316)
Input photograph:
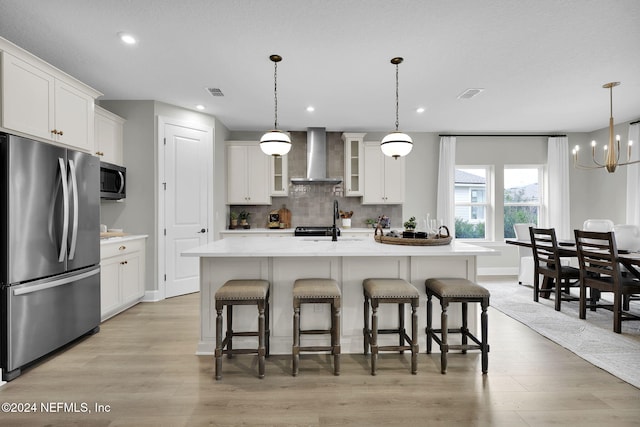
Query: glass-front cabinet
point(353, 164)
point(279, 176)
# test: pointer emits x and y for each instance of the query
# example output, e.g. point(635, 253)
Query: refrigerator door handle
point(74, 189)
point(55, 283)
point(65, 210)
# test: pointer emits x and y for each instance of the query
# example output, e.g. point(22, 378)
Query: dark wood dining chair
point(558, 278)
point(600, 272)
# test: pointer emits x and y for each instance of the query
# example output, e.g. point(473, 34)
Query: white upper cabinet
point(384, 177)
point(353, 163)
point(27, 98)
point(108, 136)
point(248, 170)
point(41, 101)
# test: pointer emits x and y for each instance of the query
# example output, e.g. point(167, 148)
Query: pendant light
point(396, 144)
point(612, 150)
point(275, 142)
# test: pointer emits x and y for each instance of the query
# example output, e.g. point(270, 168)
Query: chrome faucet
point(334, 230)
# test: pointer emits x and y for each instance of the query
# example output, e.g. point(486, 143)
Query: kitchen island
point(349, 261)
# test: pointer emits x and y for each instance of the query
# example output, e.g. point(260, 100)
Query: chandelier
point(275, 142)
point(612, 150)
point(396, 144)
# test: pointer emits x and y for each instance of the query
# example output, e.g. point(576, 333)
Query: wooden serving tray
point(440, 240)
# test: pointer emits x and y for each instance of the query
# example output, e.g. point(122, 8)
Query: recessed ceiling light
point(311, 109)
point(420, 110)
point(200, 107)
point(127, 38)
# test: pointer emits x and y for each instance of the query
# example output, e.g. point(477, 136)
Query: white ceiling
point(542, 63)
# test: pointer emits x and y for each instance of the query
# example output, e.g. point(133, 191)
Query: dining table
point(567, 249)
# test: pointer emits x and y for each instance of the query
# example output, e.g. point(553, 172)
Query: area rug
point(592, 338)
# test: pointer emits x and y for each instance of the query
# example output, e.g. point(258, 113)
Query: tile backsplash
point(312, 204)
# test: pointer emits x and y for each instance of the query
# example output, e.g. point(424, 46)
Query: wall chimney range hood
point(316, 159)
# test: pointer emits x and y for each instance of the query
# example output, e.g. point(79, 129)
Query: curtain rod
point(510, 136)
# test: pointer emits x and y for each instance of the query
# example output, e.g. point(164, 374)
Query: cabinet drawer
point(108, 250)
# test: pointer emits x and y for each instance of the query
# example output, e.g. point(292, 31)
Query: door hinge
point(165, 186)
point(165, 231)
point(165, 277)
point(165, 141)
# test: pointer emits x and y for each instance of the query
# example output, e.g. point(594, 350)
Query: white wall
point(598, 193)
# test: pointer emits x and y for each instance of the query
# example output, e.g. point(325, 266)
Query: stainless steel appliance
point(113, 181)
point(49, 249)
point(315, 231)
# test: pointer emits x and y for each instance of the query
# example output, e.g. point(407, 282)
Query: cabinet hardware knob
point(54, 131)
point(99, 153)
point(122, 248)
point(60, 133)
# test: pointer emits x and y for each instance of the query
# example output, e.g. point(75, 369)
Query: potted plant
point(233, 216)
point(346, 218)
point(244, 218)
point(410, 227)
point(371, 222)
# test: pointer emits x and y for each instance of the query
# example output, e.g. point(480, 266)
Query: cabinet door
point(108, 136)
point(27, 98)
point(74, 117)
point(353, 164)
point(237, 175)
point(373, 175)
point(109, 285)
point(248, 171)
point(279, 176)
point(394, 180)
point(258, 176)
point(132, 285)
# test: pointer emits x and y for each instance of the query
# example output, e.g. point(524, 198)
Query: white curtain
point(558, 187)
point(446, 180)
point(633, 178)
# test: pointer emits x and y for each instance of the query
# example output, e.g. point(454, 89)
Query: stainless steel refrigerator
point(50, 249)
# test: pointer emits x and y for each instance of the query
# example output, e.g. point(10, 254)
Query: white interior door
point(187, 167)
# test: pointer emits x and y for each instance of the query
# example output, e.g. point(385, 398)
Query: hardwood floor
point(142, 365)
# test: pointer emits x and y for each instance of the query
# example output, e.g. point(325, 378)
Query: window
point(472, 196)
point(522, 196)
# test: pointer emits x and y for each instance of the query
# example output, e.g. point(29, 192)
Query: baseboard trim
point(497, 271)
point(152, 296)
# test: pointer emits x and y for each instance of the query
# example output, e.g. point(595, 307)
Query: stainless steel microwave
point(113, 181)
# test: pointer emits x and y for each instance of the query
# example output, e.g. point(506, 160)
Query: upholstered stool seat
point(242, 292)
point(317, 291)
point(464, 291)
point(385, 291)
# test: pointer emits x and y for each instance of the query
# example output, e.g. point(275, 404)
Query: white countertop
point(324, 247)
point(289, 230)
point(119, 239)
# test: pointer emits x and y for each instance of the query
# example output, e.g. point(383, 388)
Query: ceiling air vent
point(470, 93)
point(214, 91)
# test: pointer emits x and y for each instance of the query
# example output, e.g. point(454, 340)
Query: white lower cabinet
point(122, 275)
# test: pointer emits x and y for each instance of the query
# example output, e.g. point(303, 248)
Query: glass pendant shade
point(396, 144)
point(275, 143)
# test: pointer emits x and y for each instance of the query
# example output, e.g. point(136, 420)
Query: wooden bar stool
point(317, 291)
point(390, 291)
point(463, 291)
point(242, 292)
